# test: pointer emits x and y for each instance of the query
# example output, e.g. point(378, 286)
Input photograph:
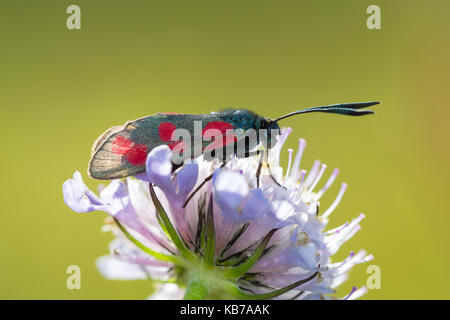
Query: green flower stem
point(196, 290)
point(240, 270)
point(207, 282)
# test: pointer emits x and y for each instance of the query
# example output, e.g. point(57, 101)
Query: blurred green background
point(61, 88)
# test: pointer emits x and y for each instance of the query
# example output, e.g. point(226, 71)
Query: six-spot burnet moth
point(122, 150)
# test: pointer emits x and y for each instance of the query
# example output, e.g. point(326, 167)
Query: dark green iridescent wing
point(122, 150)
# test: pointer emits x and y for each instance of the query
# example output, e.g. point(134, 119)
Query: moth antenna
point(348, 109)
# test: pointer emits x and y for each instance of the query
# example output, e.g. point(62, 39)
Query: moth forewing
point(107, 160)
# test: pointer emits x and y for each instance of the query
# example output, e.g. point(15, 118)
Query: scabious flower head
point(235, 238)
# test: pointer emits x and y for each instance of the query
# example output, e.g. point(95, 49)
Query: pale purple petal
point(75, 197)
point(168, 291)
point(230, 189)
point(113, 269)
point(78, 197)
point(159, 168)
point(185, 180)
point(256, 206)
point(121, 208)
point(303, 256)
point(91, 195)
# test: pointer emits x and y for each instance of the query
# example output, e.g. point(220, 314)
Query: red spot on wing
point(165, 130)
point(134, 153)
point(222, 127)
point(121, 145)
point(137, 155)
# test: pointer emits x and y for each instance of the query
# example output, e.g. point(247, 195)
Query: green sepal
point(245, 296)
point(154, 254)
point(168, 224)
point(240, 270)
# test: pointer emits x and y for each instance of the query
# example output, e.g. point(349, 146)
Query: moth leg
point(258, 171)
point(200, 186)
point(264, 161)
point(273, 178)
point(175, 166)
